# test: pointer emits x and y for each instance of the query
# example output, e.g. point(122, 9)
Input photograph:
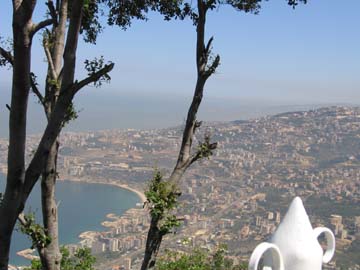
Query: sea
point(82, 207)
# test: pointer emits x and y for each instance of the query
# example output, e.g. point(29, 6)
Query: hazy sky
point(309, 55)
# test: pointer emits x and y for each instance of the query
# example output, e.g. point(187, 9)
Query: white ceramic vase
point(294, 245)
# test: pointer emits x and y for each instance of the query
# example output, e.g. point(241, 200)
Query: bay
point(82, 207)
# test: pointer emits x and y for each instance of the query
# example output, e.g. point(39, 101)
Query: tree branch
point(212, 68)
point(200, 29)
point(52, 11)
point(35, 235)
point(47, 22)
point(36, 91)
point(7, 55)
point(41, 25)
point(53, 128)
point(201, 153)
point(208, 46)
point(71, 45)
point(184, 157)
point(21, 219)
point(50, 60)
point(93, 77)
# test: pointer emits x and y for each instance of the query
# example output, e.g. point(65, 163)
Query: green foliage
point(48, 39)
point(122, 12)
point(7, 45)
point(161, 200)
point(205, 148)
point(91, 19)
point(35, 265)
point(53, 83)
point(198, 259)
point(95, 65)
point(82, 260)
point(70, 115)
point(91, 25)
point(34, 231)
point(168, 223)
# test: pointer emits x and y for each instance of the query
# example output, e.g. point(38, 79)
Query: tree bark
point(51, 256)
point(153, 242)
point(9, 208)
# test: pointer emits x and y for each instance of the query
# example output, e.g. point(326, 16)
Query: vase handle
point(260, 250)
point(330, 241)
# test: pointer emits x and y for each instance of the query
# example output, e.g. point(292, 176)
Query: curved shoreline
point(28, 253)
point(140, 194)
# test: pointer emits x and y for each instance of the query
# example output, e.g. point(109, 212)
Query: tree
point(162, 199)
point(53, 43)
point(60, 91)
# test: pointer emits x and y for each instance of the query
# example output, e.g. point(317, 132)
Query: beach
point(140, 194)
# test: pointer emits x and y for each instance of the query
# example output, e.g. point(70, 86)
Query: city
point(238, 196)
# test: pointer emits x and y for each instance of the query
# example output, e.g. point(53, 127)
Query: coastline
point(140, 194)
point(89, 235)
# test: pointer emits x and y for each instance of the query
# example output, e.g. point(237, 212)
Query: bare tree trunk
point(16, 154)
point(153, 242)
point(185, 157)
point(20, 182)
point(51, 253)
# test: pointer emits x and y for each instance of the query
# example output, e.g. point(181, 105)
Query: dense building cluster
point(239, 195)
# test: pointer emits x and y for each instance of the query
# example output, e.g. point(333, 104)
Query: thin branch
point(93, 77)
point(50, 60)
point(71, 45)
point(7, 55)
point(197, 125)
point(36, 91)
point(25, 224)
point(208, 46)
point(41, 25)
point(53, 129)
point(199, 155)
point(200, 30)
point(52, 11)
point(47, 22)
point(212, 68)
point(8, 107)
point(184, 157)
point(21, 219)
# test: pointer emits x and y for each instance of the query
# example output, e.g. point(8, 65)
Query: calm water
point(82, 208)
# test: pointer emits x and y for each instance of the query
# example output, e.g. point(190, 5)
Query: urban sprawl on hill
point(239, 195)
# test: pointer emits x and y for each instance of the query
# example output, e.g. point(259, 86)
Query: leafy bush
point(198, 259)
point(82, 260)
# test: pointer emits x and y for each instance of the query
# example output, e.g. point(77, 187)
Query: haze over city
point(304, 57)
